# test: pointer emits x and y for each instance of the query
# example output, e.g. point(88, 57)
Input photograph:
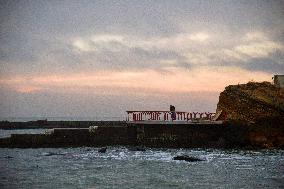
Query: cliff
point(252, 102)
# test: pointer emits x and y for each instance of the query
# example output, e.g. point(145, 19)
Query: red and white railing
point(167, 116)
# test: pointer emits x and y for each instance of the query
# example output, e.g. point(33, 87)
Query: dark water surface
point(120, 167)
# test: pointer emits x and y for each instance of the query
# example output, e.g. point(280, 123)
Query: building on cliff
point(279, 80)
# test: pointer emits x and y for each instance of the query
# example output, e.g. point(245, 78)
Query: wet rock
point(138, 148)
point(187, 158)
point(102, 150)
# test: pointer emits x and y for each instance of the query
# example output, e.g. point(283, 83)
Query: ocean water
point(122, 168)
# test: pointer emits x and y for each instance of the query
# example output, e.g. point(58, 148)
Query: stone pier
point(226, 135)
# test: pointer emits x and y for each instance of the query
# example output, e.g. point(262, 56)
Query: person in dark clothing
point(173, 112)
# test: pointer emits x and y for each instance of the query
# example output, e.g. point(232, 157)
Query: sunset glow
point(147, 82)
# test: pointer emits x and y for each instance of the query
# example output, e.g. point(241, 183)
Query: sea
point(122, 168)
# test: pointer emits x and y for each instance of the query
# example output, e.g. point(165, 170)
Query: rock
point(102, 150)
point(187, 158)
point(8, 157)
point(138, 148)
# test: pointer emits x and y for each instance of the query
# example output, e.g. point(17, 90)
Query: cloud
point(200, 37)
point(255, 36)
point(82, 45)
point(107, 38)
point(260, 49)
point(129, 52)
point(256, 45)
point(100, 43)
point(176, 42)
point(184, 49)
point(251, 47)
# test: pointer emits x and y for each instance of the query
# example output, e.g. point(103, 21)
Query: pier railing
point(167, 116)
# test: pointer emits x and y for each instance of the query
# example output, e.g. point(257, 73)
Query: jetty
point(147, 128)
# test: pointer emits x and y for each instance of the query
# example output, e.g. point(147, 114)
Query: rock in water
point(102, 150)
point(138, 148)
point(187, 158)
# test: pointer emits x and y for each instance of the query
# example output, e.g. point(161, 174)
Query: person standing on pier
point(173, 112)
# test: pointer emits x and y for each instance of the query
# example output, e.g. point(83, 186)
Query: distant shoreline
point(86, 118)
point(44, 124)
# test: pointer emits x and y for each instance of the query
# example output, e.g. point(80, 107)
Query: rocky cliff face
point(252, 101)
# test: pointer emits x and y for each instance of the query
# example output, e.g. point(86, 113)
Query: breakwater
point(213, 135)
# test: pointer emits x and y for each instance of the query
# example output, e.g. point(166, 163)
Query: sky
point(101, 58)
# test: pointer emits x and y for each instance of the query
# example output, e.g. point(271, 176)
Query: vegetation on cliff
point(252, 102)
